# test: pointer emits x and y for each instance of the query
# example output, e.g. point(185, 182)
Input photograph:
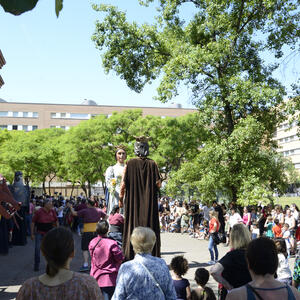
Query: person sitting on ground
point(202, 292)
point(232, 270)
point(262, 260)
point(106, 259)
point(284, 273)
point(145, 277)
point(59, 282)
point(179, 266)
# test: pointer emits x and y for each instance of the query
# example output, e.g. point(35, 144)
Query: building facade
point(32, 116)
point(288, 142)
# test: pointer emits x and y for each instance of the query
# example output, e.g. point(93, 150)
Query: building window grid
point(79, 116)
point(18, 114)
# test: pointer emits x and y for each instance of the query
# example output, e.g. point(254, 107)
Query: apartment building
point(32, 116)
point(288, 142)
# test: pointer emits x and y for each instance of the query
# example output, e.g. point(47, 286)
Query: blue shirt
point(135, 283)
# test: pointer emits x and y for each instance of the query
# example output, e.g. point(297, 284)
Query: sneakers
point(84, 269)
point(211, 262)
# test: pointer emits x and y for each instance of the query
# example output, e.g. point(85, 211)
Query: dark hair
point(276, 221)
point(201, 276)
point(262, 256)
point(114, 209)
point(57, 246)
point(281, 246)
point(91, 202)
point(179, 265)
point(102, 227)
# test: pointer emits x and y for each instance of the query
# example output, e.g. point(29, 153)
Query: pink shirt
point(116, 219)
point(106, 260)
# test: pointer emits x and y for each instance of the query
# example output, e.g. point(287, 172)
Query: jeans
point(37, 248)
point(107, 292)
point(212, 246)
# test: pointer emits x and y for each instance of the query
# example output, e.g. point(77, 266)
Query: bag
point(215, 238)
point(222, 237)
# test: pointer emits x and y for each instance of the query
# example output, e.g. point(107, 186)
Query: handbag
point(215, 238)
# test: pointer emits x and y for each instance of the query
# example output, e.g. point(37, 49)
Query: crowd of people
point(51, 220)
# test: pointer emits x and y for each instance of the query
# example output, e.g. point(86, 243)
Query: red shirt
point(116, 219)
point(212, 223)
point(44, 220)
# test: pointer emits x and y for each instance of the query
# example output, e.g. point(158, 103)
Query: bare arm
point(188, 293)
point(216, 273)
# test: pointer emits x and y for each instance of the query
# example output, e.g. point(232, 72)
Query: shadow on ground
point(172, 253)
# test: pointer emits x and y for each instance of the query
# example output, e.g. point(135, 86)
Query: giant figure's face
point(141, 149)
point(120, 156)
point(18, 176)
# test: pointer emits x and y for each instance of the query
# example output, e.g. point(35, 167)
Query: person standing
point(141, 182)
point(90, 217)
point(106, 259)
point(43, 221)
point(214, 226)
point(113, 178)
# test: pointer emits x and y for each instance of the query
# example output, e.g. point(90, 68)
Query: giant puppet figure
point(8, 207)
point(113, 178)
point(21, 194)
point(141, 183)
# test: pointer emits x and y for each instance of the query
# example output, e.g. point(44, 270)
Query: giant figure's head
point(141, 146)
point(120, 154)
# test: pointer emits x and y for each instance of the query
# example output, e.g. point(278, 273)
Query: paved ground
point(18, 265)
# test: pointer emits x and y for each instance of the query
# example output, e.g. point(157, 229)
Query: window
point(62, 115)
point(15, 114)
point(34, 127)
point(35, 115)
point(25, 114)
point(297, 166)
point(79, 116)
point(3, 113)
point(52, 126)
point(63, 127)
point(25, 127)
point(53, 115)
point(3, 126)
point(15, 127)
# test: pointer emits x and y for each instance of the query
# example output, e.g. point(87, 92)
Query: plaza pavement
point(17, 266)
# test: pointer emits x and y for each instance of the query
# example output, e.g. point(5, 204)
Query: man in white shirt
point(235, 217)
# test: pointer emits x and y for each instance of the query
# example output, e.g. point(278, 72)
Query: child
point(175, 225)
point(184, 223)
point(254, 231)
point(277, 229)
point(286, 234)
point(284, 273)
point(179, 266)
point(269, 226)
point(202, 292)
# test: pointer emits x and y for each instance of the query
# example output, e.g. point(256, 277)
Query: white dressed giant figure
point(113, 178)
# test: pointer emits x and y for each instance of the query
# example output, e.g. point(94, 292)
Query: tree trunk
point(44, 186)
point(89, 189)
point(72, 190)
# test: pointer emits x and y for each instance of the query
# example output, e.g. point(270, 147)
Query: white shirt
point(283, 270)
point(235, 219)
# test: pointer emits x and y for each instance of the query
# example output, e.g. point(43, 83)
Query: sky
point(54, 60)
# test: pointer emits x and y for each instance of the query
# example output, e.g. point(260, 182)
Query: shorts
point(85, 240)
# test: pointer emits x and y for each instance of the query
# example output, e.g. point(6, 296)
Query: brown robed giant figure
point(141, 182)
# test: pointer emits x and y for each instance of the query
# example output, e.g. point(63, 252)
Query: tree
point(18, 7)
point(217, 55)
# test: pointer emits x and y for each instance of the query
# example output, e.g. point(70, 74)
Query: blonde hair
point(142, 240)
point(240, 236)
point(214, 214)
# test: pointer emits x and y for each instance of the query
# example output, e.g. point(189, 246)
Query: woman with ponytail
point(59, 282)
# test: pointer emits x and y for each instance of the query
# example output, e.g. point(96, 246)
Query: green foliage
point(18, 7)
point(217, 55)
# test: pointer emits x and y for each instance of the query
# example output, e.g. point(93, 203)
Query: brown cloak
point(141, 201)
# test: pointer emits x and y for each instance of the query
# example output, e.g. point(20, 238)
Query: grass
point(287, 201)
